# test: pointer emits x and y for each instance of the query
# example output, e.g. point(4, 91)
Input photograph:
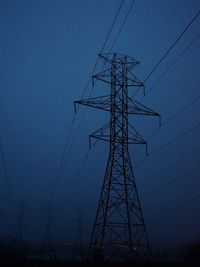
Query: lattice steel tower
point(119, 229)
point(47, 250)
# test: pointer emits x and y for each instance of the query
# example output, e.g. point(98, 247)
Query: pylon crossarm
point(102, 102)
point(136, 137)
point(104, 134)
point(105, 76)
point(108, 57)
point(137, 108)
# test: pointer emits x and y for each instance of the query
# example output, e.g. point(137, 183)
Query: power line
point(77, 174)
point(184, 202)
point(114, 21)
point(174, 63)
point(102, 50)
point(60, 167)
point(175, 139)
point(183, 175)
point(172, 46)
point(176, 178)
point(173, 116)
point(170, 67)
point(100, 156)
point(122, 26)
point(103, 47)
point(59, 173)
point(178, 160)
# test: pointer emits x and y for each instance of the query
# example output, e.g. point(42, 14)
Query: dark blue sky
point(47, 52)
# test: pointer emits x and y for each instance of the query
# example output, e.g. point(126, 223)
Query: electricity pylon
point(48, 251)
point(20, 230)
point(119, 230)
point(78, 248)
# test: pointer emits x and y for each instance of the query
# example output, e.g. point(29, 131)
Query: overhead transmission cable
point(184, 108)
point(120, 29)
point(176, 178)
point(60, 167)
point(75, 178)
point(112, 26)
point(168, 51)
point(94, 68)
point(184, 202)
point(172, 46)
point(175, 162)
point(104, 45)
point(114, 42)
point(173, 140)
point(173, 64)
point(176, 138)
point(183, 175)
point(59, 173)
point(172, 117)
point(122, 26)
point(175, 114)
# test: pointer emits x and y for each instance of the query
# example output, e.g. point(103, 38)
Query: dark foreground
point(36, 263)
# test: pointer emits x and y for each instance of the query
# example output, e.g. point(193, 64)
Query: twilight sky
point(47, 52)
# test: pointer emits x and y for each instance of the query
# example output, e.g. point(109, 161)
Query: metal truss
point(119, 230)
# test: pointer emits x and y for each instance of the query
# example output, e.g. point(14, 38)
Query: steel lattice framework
point(48, 251)
point(119, 227)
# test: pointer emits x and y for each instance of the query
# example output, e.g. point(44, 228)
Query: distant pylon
point(48, 251)
point(19, 231)
point(119, 230)
point(78, 248)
